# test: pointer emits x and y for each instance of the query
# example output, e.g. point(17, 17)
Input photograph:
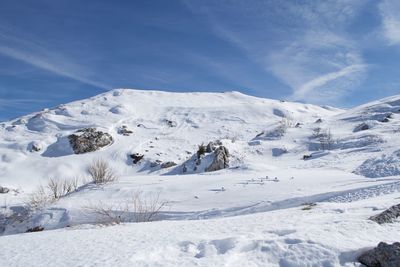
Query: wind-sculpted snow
point(385, 165)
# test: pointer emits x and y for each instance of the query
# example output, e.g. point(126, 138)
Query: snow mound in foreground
point(380, 167)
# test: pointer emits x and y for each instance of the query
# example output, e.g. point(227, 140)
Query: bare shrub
point(287, 121)
point(39, 198)
point(201, 151)
point(61, 187)
point(326, 140)
point(106, 213)
point(101, 172)
point(140, 208)
point(145, 208)
point(54, 190)
point(316, 132)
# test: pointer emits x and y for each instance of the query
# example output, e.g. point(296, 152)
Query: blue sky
point(340, 53)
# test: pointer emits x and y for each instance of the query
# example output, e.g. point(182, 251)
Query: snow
point(257, 212)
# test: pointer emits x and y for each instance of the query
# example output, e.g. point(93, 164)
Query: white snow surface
point(257, 212)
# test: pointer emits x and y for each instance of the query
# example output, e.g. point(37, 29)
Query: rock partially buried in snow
point(384, 255)
point(168, 164)
point(4, 190)
point(361, 127)
point(388, 215)
point(89, 140)
point(220, 161)
point(124, 130)
point(136, 157)
point(171, 123)
point(35, 146)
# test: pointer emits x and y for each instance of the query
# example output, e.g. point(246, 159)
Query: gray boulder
point(220, 161)
point(4, 190)
point(384, 255)
point(388, 215)
point(89, 140)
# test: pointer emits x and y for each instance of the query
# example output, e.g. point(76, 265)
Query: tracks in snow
point(265, 206)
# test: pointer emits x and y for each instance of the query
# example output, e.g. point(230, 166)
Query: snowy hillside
point(280, 183)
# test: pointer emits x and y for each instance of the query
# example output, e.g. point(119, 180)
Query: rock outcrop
point(388, 215)
point(89, 140)
point(220, 161)
point(384, 255)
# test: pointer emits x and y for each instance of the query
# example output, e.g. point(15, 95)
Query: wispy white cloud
point(390, 12)
point(313, 85)
point(306, 45)
point(38, 55)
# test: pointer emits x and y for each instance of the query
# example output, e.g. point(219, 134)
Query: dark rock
point(305, 157)
point(34, 147)
point(361, 127)
point(384, 255)
point(136, 157)
point(220, 161)
point(35, 229)
point(168, 164)
point(318, 121)
point(124, 130)
point(298, 125)
point(4, 190)
point(260, 134)
point(171, 123)
point(89, 140)
point(388, 215)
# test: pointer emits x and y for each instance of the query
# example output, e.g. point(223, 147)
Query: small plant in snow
point(140, 208)
point(39, 198)
point(54, 190)
point(101, 172)
point(61, 187)
point(201, 151)
point(326, 140)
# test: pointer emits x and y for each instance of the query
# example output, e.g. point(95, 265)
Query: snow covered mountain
point(291, 166)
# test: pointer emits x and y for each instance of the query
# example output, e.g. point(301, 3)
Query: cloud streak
point(389, 11)
point(34, 54)
point(306, 46)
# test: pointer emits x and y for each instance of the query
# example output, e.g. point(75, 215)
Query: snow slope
point(253, 208)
